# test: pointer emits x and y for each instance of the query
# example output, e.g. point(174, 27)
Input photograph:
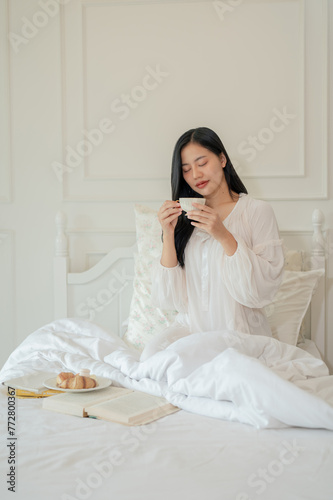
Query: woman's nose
point(196, 172)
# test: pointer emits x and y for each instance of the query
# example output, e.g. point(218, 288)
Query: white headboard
point(103, 293)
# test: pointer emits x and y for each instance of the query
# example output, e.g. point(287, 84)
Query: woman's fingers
point(171, 218)
point(198, 215)
point(204, 216)
point(167, 209)
point(203, 208)
point(198, 218)
point(169, 212)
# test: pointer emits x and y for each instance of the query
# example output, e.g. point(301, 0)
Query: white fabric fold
point(202, 236)
point(252, 277)
point(251, 379)
point(173, 294)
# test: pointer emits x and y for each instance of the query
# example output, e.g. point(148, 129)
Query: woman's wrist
point(228, 242)
point(169, 254)
point(168, 236)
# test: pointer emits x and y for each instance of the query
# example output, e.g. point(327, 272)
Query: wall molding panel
point(290, 160)
point(7, 293)
point(5, 121)
point(89, 245)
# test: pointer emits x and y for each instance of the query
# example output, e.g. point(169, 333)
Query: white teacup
point(186, 203)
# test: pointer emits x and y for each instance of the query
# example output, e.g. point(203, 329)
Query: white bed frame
point(103, 293)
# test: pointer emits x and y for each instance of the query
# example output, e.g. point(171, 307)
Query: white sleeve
point(253, 275)
point(169, 287)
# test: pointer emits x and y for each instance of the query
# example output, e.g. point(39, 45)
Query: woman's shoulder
point(255, 204)
point(255, 209)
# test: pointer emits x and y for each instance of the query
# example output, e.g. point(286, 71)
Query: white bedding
point(227, 375)
point(183, 456)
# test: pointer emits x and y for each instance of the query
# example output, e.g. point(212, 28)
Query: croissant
point(78, 382)
point(63, 376)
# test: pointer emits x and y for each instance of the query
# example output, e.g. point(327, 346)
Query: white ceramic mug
point(186, 203)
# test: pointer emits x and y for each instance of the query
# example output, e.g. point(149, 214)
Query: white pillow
point(145, 320)
point(297, 260)
point(285, 314)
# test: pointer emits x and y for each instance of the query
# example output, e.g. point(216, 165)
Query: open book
point(115, 404)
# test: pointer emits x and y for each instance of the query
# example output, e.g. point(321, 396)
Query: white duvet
point(252, 379)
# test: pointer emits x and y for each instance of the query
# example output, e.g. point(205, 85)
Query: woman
point(222, 262)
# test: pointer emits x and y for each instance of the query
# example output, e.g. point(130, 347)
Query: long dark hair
point(180, 189)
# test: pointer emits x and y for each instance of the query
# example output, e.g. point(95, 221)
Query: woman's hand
point(207, 218)
point(168, 216)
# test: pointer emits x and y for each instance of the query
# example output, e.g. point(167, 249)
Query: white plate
point(102, 382)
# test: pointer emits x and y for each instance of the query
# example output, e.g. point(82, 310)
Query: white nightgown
point(215, 291)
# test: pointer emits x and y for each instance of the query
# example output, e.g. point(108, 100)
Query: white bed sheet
point(182, 456)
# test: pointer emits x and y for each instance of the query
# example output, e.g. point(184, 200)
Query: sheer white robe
point(215, 291)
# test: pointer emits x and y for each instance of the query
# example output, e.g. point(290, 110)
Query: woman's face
point(203, 170)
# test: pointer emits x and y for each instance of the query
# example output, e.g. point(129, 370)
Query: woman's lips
point(201, 185)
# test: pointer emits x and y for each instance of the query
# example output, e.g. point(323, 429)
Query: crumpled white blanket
point(229, 375)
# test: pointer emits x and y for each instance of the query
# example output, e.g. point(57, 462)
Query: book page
point(69, 402)
point(132, 407)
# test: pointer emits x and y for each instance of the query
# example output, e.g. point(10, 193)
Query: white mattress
point(182, 456)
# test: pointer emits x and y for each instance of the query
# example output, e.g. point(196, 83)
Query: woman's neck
point(222, 197)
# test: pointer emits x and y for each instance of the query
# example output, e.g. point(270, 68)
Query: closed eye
point(202, 165)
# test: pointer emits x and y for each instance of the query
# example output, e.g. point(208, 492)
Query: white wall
point(234, 66)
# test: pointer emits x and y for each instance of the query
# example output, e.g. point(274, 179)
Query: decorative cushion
point(285, 314)
point(145, 320)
